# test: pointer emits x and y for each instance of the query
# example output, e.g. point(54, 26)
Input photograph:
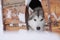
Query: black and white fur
point(35, 21)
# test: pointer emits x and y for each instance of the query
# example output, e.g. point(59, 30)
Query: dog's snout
point(38, 28)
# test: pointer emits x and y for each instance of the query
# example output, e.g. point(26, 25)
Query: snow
point(28, 35)
point(24, 34)
point(21, 17)
point(1, 28)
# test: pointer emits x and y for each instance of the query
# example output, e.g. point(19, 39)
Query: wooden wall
point(54, 6)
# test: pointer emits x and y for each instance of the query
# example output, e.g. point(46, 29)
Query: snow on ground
point(28, 35)
point(25, 35)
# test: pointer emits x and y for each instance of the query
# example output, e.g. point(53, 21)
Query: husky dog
point(36, 19)
point(35, 16)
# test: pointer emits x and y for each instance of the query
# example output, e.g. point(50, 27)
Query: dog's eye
point(34, 19)
point(41, 20)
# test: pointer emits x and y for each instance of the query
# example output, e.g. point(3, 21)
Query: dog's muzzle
point(38, 28)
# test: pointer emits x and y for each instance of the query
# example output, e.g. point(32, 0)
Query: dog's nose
point(38, 28)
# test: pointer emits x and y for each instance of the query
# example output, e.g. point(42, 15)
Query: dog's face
point(36, 19)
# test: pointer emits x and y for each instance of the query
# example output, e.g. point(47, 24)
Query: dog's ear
point(41, 12)
point(30, 11)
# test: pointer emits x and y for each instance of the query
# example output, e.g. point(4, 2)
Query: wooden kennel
point(13, 7)
point(50, 7)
